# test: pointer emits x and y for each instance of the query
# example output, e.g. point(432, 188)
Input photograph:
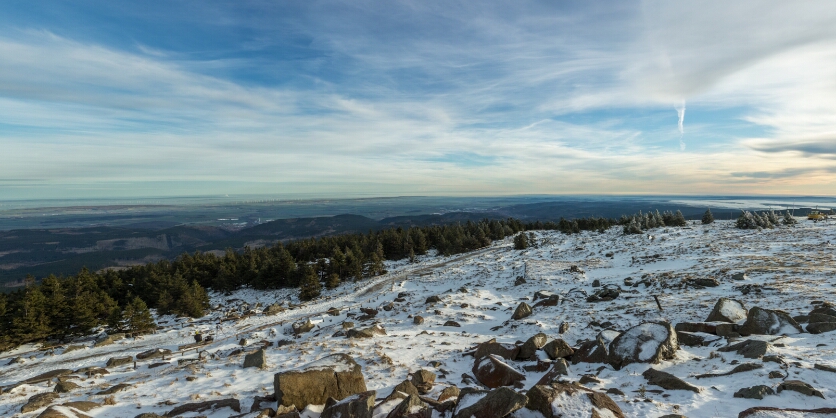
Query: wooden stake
point(656, 298)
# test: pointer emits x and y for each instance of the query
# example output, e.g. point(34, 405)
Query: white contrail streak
point(680, 110)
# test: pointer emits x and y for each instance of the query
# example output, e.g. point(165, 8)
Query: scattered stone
point(45, 377)
point(561, 400)
point(492, 372)
point(273, 309)
point(333, 311)
point(696, 339)
point(528, 351)
point(615, 391)
point(418, 320)
point(433, 299)
point(522, 311)
point(39, 401)
point(412, 404)
point(754, 392)
point(119, 361)
point(113, 389)
point(403, 390)
point(739, 276)
point(800, 387)
point(423, 381)
point(587, 379)
point(776, 375)
point(650, 342)
point(768, 322)
point(389, 306)
point(153, 353)
point(63, 411)
point(596, 283)
point(72, 348)
point(706, 282)
point(108, 340)
point(745, 367)
point(597, 350)
point(667, 380)
point(748, 348)
point(559, 368)
point(604, 295)
point(519, 281)
point(355, 406)
point(497, 403)
point(820, 327)
point(564, 326)
point(234, 404)
point(825, 368)
point(558, 348)
point(336, 376)
point(450, 392)
point(774, 359)
point(769, 411)
point(727, 310)
point(452, 324)
point(257, 359)
point(506, 351)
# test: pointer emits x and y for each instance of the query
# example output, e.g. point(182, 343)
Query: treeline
point(764, 220)
point(640, 222)
point(69, 306)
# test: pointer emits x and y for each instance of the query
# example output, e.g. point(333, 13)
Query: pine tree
point(311, 288)
point(707, 217)
point(137, 317)
point(520, 241)
point(679, 220)
point(333, 281)
point(789, 219)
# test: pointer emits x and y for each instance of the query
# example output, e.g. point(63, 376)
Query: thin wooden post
point(656, 298)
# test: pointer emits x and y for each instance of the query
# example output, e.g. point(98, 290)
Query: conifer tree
point(789, 219)
point(333, 281)
point(520, 241)
point(311, 288)
point(137, 317)
point(707, 217)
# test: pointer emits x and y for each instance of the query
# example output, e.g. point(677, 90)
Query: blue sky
point(121, 99)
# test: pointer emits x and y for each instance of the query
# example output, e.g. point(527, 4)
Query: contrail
point(680, 110)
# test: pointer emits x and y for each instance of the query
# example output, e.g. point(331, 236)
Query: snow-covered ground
point(787, 269)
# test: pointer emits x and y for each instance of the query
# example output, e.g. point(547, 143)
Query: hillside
point(688, 269)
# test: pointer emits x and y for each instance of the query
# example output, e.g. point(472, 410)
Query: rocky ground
point(593, 324)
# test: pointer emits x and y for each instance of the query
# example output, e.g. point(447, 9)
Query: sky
point(381, 98)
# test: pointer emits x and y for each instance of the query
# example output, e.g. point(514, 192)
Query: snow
point(788, 268)
point(732, 309)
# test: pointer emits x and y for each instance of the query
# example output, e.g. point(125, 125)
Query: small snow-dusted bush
point(640, 222)
point(789, 219)
point(754, 220)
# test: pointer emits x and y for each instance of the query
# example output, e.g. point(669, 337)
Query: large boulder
point(528, 351)
point(496, 403)
point(727, 310)
point(39, 401)
point(800, 387)
point(336, 376)
point(506, 351)
point(558, 349)
point(355, 406)
point(597, 350)
point(768, 322)
point(522, 311)
point(560, 400)
point(650, 342)
point(492, 372)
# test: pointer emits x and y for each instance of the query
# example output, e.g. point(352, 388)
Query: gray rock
point(409, 405)
point(739, 276)
point(748, 348)
point(754, 392)
point(65, 386)
point(450, 392)
point(559, 368)
point(696, 339)
point(667, 380)
point(821, 327)
point(740, 368)
point(800, 387)
point(727, 310)
point(433, 299)
point(153, 353)
point(597, 350)
point(233, 404)
point(273, 309)
point(119, 361)
point(650, 342)
point(573, 399)
point(302, 326)
point(497, 403)
point(39, 401)
point(768, 322)
point(423, 381)
point(336, 376)
point(72, 348)
point(506, 351)
point(257, 359)
point(825, 368)
point(558, 348)
point(418, 320)
point(492, 372)
point(452, 324)
point(522, 311)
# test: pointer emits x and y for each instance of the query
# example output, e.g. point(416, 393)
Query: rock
point(153, 353)
point(522, 311)
point(754, 392)
point(559, 368)
point(561, 400)
point(108, 340)
point(16, 360)
point(336, 376)
point(824, 367)
point(83, 406)
point(558, 349)
point(800, 387)
point(696, 339)
point(72, 348)
point(389, 306)
point(113, 389)
point(44, 377)
point(820, 327)
point(706, 282)
point(433, 299)
point(203, 406)
point(273, 309)
point(450, 392)
point(739, 276)
point(257, 359)
point(287, 412)
point(769, 411)
point(333, 311)
point(596, 283)
point(727, 310)
point(302, 327)
point(39, 401)
point(452, 324)
point(546, 298)
point(66, 386)
point(587, 379)
point(258, 400)
point(119, 361)
point(497, 403)
point(519, 281)
point(506, 351)
point(492, 372)
point(149, 415)
point(63, 411)
point(423, 380)
point(564, 326)
point(650, 342)
point(604, 295)
point(745, 367)
point(418, 320)
point(776, 375)
point(597, 350)
point(667, 380)
point(748, 348)
point(768, 322)
point(528, 351)
point(355, 406)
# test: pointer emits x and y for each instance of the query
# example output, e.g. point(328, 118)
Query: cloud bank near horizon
point(417, 97)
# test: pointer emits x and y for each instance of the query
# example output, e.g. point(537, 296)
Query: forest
point(63, 307)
